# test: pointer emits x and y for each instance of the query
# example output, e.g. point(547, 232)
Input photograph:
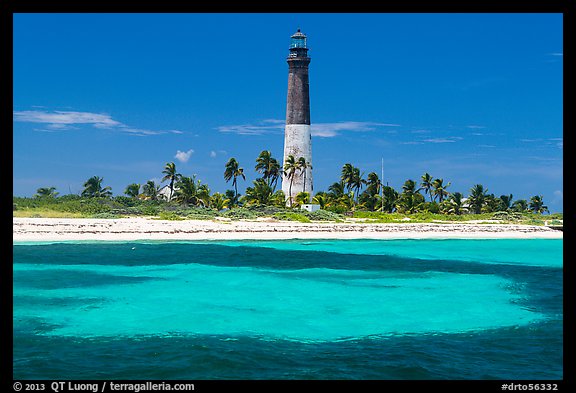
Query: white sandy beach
point(124, 229)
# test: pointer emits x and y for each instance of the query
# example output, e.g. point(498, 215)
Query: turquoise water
point(360, 309)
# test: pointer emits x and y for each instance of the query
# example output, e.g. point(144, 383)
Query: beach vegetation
point(440, 189)
point(291, 166)
point(191, 192)
point(169, 216)
point(46, 192)
point(150, 191)
point(93, 188)
point(537, 205)
point(351, 196)
point(477, 198)
point(132, 190)
point(520, 205)
point(304, 165)
point(219, 201)
point(302, 198)
point(292, 216)
point(172, 176)
point(260, 194)
point(232, 172)
point(426, 185)
point(269, 167)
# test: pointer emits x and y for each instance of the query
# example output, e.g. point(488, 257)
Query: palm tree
point(409, 187)
point(492, 203)
point(390, 198)
point(150, 190)
point(336, 190)
point(231, 196)
point(302, 198)
point(275, 171)
point(290, 168)
point(260, 194)
point(477, 198)
point(440, 189)
point(373, 184)
point(203, 194)
point(93, 188)
point(370, 201)
point(537, 205)
point(219, 201)
point(427, 185)
point(191, 192)
point(456, 204)
point(171, 174)
point(186, 192)
point(347, 175)
point(269, 167)
point(354, 179)
point(132, 190)
point(304, 165)
point(278, 199)
point(505, 202)
point(46, 192)
point(346, 201)
point(232, 171)
point(520, 205)
point(321, 199)
point(410, 200)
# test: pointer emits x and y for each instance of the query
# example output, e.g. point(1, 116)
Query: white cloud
point(328, 130)
point(249, 129)
point(449, 139)
point(558, 142)
point(322, 130)
point(213, 154)
point(475, 127)
point(556, 54)
point(67, 120)
point(183, 156)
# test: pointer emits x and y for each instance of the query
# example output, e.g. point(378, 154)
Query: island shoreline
point(134, 229)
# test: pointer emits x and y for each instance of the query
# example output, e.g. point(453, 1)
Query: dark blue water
point(397, 309)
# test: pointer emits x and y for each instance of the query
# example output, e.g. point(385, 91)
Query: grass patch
point(169, 216)
point(44, 213)
point(291, 216)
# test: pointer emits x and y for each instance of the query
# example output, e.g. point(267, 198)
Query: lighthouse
point(297, 135)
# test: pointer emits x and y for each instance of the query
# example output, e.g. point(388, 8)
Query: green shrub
point(324, 215)
point(507, 216)
point(241, 214)
point(126, 201)
point(106, 215)
point(291, 216)
point(150, 210)
point(170, 216)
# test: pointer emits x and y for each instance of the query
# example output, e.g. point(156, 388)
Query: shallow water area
point(298, 295)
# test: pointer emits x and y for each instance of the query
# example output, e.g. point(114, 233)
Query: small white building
point(310, 207)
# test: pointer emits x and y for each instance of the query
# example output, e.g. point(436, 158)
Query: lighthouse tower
point(297, 136)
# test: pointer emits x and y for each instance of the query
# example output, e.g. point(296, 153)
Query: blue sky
point(470, 98)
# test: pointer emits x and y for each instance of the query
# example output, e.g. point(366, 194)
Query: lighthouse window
point(298, 42)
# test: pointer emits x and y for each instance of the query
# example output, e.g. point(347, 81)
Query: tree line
point(351, 192)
